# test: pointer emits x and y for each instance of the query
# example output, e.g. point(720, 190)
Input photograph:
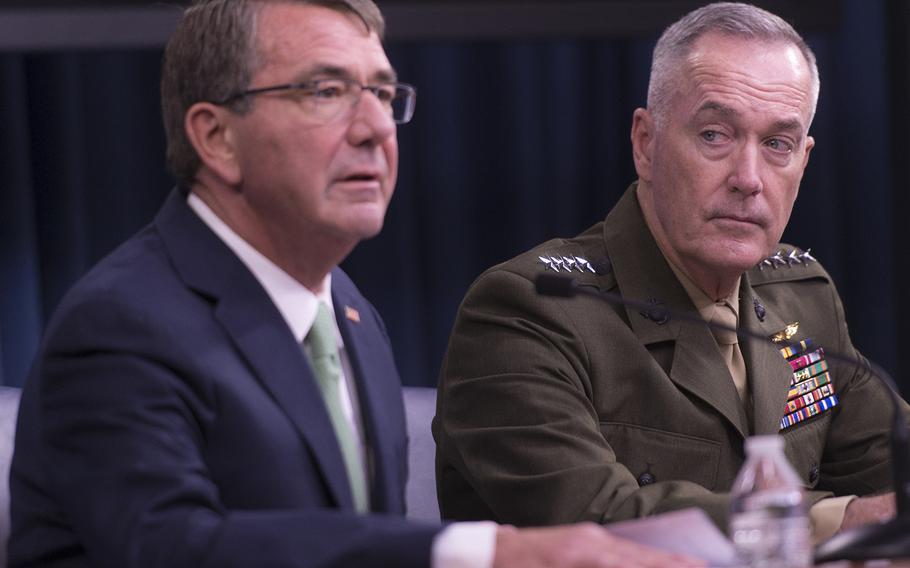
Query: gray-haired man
point(554, 411)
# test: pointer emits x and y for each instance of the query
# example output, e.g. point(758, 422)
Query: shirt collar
point(295, 301)
point(705, 304)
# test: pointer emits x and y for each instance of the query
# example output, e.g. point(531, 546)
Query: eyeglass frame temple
point(410, 90)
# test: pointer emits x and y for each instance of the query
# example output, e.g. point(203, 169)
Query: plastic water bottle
point(769, 523)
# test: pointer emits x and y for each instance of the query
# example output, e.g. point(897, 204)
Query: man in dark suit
point(553, 410)
point(216, 392)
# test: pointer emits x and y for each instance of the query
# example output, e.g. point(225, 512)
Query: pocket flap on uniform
point(657, 455)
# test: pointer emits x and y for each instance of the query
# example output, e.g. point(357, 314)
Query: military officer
point(554, 410)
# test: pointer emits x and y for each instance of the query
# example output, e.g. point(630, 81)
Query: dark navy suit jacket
point(171, 419)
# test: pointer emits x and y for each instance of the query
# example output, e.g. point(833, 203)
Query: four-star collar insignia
point(559, 263)
point(788, 259)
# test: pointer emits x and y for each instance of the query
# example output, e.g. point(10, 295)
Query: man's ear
point(810, 143)
point(209, 130)
point(642, 142)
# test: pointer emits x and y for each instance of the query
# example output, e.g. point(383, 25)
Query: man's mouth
point(361, 176)
point(745, 219)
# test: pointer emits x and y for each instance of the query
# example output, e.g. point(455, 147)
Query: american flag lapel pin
point(352, 314)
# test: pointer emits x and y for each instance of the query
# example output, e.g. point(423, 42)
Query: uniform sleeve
point(857, 456)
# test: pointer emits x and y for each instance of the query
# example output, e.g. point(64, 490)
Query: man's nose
point(746, 174)
point(372, 121)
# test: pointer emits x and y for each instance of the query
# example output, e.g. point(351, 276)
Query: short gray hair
point(728, 18)
point(211, 56)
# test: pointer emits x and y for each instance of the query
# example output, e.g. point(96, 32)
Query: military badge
point(560, 263)
point(786, 333)
point(760, 311)
point(811, 391)
point(794, 257)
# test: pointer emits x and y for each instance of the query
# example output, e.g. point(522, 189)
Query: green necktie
point(326, 365)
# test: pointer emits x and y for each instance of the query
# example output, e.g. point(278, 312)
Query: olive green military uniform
point(554, 410)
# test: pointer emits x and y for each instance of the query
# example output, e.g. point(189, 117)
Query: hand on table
point(578, 546)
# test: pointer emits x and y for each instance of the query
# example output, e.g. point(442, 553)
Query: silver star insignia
point(548, 263)
point(778, 260)
point(567, 263)
point(795, 256)
point(584, 264)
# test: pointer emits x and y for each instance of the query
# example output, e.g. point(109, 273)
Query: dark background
point(521, 134)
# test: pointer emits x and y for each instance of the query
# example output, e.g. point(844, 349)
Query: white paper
point(689, 531)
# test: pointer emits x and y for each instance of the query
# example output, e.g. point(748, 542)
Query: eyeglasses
point(327, 100)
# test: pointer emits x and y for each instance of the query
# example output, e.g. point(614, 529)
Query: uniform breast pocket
point(803, 445)
point(658, 455)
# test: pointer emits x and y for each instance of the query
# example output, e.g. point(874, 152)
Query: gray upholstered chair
point(9, 409)
point(420, 407)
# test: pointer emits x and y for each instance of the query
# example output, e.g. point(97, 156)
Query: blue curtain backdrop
point(513, 143)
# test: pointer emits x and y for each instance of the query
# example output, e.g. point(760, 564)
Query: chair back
point(9, 410)
point(420, 496)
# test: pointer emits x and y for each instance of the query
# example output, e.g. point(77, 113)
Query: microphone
point(554, 285)
point(878, 541)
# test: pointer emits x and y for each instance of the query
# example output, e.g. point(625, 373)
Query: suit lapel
point(643, 274)
point(378, 389)
point(258, 332)
point(768, 372)
point(280, 364)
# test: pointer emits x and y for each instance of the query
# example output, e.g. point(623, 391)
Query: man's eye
point(328, 90)
point(385, 94)
point(779, 145)
point(710, 135)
